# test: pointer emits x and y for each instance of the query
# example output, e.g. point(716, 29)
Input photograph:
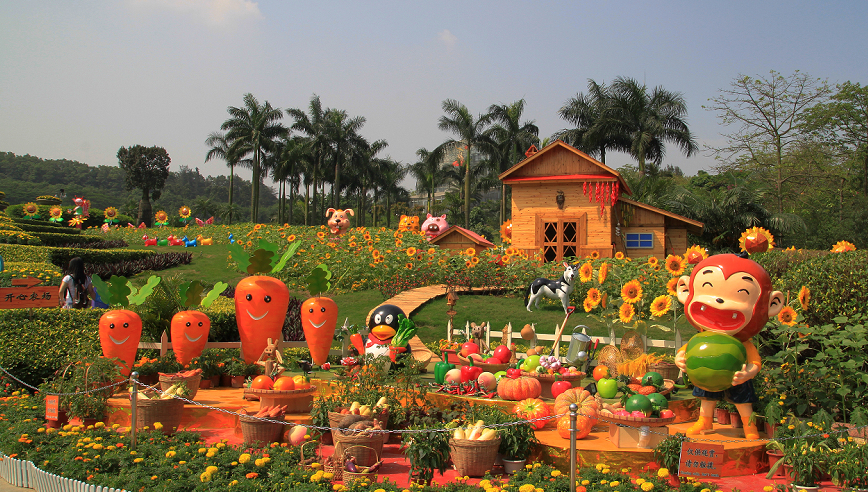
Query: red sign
point(51, 407)
point(25, 294)
point(701, 460)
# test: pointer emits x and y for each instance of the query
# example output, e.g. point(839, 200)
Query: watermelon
point(712, 359)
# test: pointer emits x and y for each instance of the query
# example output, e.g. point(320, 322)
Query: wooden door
point(561, 238)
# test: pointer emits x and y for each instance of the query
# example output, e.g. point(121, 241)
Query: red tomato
point(263, 383)
point(601, 372)
point(284, 383)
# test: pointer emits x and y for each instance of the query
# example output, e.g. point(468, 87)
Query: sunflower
point(184, 212)
point(110, 213)
point(431, 251)
point(804, 297)
point(586, 273)
point(653, 261)
point(595, 255)
point(30, 209)
point(661, 305)
point(55, 212)
point(787, 316)
point(671, 286)
point(398, 243)
point(468, 264)
point(604, 272)
point(474, 260)
point(290, 238)
point(675, 265)
point(411, 251)
point(695, 254)
point(161, 216)
point(631, 292)
point(470, 252)
point(408, 266)
point(626, 313)
point(320, 235)
point(839, 247)
point(375, 253)
point(594, 296)
point(619, 255)
point(505, 259)
point(587, 305)
point(756, 240)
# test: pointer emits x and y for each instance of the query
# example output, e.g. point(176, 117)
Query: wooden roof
point(454, 229)
point(579, 167)
point(693, 226)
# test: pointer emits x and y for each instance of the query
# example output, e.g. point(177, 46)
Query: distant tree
point(512, 138)
point(146, 168)
point(593, 132)
point(221, 148)
point(768, 115)
point(313, 125)
point(428, 173)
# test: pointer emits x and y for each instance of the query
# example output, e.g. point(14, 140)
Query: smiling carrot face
point(260, 309)
point(120, 331)
point(189, 335)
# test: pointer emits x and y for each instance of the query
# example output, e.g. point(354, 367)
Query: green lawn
point(208, 265)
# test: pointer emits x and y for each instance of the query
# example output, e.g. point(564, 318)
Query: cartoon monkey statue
point(730, 295)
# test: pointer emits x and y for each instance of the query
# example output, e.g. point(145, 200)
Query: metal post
point(134, 385)
point(573, 413)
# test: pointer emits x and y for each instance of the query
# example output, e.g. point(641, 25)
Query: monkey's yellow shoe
point(750, 430)
point(703, 425)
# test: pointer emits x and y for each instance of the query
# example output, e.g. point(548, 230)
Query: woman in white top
point(74, 281)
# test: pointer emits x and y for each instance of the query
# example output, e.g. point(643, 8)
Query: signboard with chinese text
point(52, 403)
point(701, 460)
point(26, 294)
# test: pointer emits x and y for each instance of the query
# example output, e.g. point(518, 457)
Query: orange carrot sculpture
point(319, 315)
point(260, 300)
point(190, 328)
point(120, 330)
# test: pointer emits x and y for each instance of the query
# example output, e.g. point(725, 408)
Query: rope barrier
point(420, 431)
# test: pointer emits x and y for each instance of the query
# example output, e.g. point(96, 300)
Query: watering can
point(579, 344)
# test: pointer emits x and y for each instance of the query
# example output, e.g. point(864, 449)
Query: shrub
point(57, 239)
point(18, 237)
point(128, 268)
point(61, 256)
point(49, 274)
point(42, 226)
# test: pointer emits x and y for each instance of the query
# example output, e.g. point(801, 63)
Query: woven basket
point(667, 370)
point(166, 382)
point(546, 380)
point(473, 458)
point(349, 476)
point(332, 465)
point(372, 441)
point(296, 401)
point(486, 366)
point(167, 412)
point(256, 430)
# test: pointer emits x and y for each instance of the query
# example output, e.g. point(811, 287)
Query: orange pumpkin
point(583, 426)
point(120, 331)
point(532, 408)
point(581, 397)
point(189, 335)
point(260, 309)
point(262, 382)
point(520, 388)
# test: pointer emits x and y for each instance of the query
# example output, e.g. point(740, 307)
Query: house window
point(640, 240)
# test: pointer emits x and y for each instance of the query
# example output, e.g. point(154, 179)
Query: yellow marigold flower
point(603, 273)
point(768, 488)
point(244, 458)
point(640, 481)
point(527, 488)
point(804, 297)
point(632, 291)
point(204, 477)
point(212, 469)
point(661, 305)
point(675, 264)
point(170, 454)
point(787, 316)
point(556, 473)
point(614, 483)
point(138, 460)
point(663, 473)
point(648, 486)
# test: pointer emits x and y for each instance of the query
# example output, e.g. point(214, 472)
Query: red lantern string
point(615, 192)
point(585, 188)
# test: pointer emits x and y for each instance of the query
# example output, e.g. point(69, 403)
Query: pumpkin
point(532, 408)
point(581, 397)
point(520, 388)
point(189, 335)
point(120, 331)
point(583, 426)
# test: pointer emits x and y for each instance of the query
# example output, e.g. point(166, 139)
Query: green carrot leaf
point(241, 257)
point(145, 291)
point(318, 280)
point(191, 293)
point(286, 256)
point(218, 289)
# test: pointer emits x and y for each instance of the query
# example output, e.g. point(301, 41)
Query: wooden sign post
point(700, 460)
point(26, 294)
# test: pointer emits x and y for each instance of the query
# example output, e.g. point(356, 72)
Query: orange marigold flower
point(631, 292)
point(252, 475)
point(675, 264)
point(586, 272)
point(671, 285)
point(661, 305)
point(787, 316)
point(804, 297)
point(626, 313)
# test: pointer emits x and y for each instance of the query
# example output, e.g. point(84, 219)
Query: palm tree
point(470, 133)
point(648, 120)
point(288, 157)
point(512, 139)
point(220, 148)
point(365, 173)
point(428, 173)
point(314, 126)
point(392, 172)
point(253, 129)
point(343, 134)
point(592, 135)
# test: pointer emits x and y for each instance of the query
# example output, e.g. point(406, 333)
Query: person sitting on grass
point(76, 289)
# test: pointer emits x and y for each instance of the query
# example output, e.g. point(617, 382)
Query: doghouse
point(566, 203)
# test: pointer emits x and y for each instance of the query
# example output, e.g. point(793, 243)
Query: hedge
point(838, 282)
point(61, 256)
point(41, 226)
point(56, 239)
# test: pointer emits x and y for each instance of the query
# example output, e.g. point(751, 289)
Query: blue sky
point(78, 80)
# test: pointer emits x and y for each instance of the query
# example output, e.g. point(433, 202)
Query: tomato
point(601, 372)
point(284, 383)
point(263, 383)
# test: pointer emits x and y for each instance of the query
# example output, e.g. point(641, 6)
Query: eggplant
point(350, 466)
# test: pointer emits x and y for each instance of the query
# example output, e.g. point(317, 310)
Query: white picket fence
point(164, 345)
point(21, 473)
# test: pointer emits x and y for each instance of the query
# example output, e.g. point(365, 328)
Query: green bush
point(57, 239)
point(32, 254)
point(18, 237)
point(838, 281)
point(44, 226)
point(49, 274)
point(61, 256)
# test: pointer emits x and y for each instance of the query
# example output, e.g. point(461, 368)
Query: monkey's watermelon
point(713, 358)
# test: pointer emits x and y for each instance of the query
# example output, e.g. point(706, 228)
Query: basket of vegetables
point(359, 430)
point(354, 472)
point(265, 426)
point(190, 379)
point(474, 450)
point(163, 408)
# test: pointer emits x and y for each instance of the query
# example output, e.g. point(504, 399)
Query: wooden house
point(459, 238)
point(565, 203)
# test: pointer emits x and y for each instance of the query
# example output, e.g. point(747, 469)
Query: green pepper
point(441, 368)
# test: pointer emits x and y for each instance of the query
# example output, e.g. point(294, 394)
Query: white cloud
point(447, 38)
point(217, 13)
